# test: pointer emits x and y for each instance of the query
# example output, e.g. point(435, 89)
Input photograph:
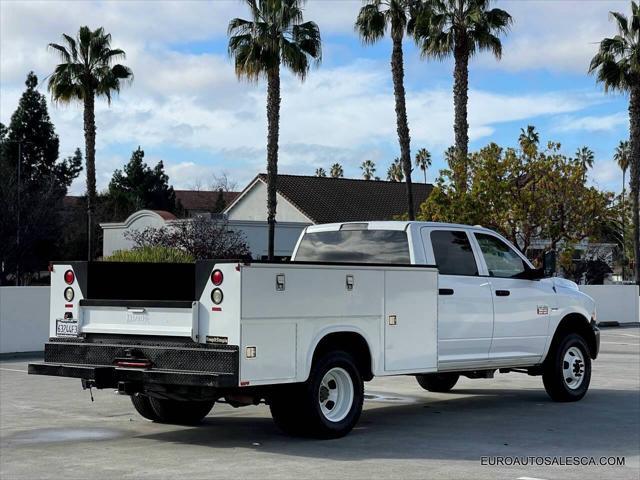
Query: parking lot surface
point(49, 428)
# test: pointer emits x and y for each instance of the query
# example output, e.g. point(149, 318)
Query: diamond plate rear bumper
point(180, 365)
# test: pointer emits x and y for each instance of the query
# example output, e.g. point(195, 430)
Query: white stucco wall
point(24, 319)
point(252, 206)
point(114, 238)
point(256, 234)
point(615, 303)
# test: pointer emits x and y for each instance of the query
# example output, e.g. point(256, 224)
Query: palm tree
point(336, 171)
point(395, 172)
point(320, 172)
point(276, 35)
point(622, 157)
point(368, 168)
point(460, 28)
point(617, 67)
point(87, 71)
point(372, 22)
point(423, 161)
point(585, 157)
point(529, 140)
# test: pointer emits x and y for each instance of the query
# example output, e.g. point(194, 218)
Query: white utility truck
point(357, 300)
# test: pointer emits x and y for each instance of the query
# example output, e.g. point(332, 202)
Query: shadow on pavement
point(486, 422)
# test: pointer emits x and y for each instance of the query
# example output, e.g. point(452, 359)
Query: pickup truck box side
point(357, 300)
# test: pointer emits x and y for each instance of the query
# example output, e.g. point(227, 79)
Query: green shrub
point(151, 255)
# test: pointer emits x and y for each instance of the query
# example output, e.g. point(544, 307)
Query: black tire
point(438, 382)
point(558, 374)
point(285, 409)
point(296, 409)
point(143, 406)
point(180, 412)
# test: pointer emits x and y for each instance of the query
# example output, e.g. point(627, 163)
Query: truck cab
point(357, 300)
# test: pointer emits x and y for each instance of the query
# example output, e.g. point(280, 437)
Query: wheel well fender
point(576, 323)
point(349, 341)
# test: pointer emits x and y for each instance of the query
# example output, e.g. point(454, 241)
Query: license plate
point(67, 328)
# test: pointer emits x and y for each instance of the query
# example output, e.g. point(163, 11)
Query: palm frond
point(294, 58)
point(62, 51)
point(307, 37)
point(87, 67)
point(275, 35)
point(239, 26)
point(114, 55)
point(72, 46)
point(622, 21)
point(371, 23)
point(489, 42)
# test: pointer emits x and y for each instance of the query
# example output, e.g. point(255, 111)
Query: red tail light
point(69, 277)
point(217, 277)
point(133, 363)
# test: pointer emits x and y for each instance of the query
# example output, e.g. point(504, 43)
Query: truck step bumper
point(193, 365)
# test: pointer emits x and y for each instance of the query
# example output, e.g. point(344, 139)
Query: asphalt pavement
point(50, 428)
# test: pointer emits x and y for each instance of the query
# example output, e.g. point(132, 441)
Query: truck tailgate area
point(170, 318)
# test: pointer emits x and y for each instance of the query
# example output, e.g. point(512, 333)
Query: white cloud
point(192, 102)
point(606, 174)
point(555, 35)
point(591, 123)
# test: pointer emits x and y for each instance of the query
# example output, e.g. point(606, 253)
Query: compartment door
point(410, 322)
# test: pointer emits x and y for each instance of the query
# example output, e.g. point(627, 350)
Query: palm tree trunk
point(425, 176)
point(624, 223)
point(273, 125)
point(634, 118)
point(90, 158)
point(397, 70)
point(460, 101)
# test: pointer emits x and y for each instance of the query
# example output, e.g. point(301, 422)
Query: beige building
point(302, 201)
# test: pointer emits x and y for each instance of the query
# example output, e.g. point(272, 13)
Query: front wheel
point(438, 382)
point(328, 405)
point(567, 370)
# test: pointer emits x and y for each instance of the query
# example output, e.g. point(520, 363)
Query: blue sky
point(186, 107)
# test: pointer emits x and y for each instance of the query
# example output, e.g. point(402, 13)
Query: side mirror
point(532, 274)
point(549, 263)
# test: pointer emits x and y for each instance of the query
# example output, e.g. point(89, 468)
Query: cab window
point(355, 246)
point(502, 261)
point(453, 254)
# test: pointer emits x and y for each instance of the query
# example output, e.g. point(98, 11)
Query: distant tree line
point(33, 183)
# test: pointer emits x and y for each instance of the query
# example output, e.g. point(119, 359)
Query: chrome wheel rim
point(335, 394)
point(573, 368)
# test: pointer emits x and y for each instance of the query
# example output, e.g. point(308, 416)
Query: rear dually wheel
point(327, 405)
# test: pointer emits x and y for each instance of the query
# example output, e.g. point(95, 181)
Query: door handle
point(502, 293)
point(445, 291)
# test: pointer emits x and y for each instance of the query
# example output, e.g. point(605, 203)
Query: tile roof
point(327, 200)
point(202, 199)
point(165, 215)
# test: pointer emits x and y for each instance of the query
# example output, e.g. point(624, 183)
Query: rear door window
point(355, 246)
point(453, 253)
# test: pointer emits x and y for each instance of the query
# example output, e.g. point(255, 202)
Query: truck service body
point(357, 300)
